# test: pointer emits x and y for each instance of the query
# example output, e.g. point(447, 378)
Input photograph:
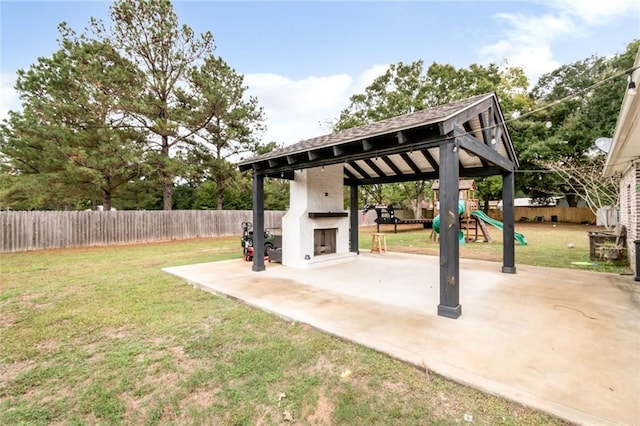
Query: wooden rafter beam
point(472, 145)
point(410, 162)
point(375, 167)
point(427, 156)
point(359, 169)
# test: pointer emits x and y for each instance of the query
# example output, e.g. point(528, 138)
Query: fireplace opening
point(324, 241)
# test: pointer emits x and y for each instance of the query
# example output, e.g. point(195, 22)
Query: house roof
point(404, 148)
point(625, 146)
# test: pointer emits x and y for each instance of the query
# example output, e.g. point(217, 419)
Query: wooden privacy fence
point(548, 214)
point(35, 230)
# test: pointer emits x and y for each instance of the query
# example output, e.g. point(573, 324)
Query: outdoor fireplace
point(315, 230)
point(324, 241)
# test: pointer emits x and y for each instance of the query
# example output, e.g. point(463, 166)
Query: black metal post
point(508, 220)
point(449, 232)
point(258, 222)
point(353, 219)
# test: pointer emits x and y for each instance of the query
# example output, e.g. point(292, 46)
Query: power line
point(578, 92)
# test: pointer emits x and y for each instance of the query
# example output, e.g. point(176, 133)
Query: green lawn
point(102, 335)
point(548, 245)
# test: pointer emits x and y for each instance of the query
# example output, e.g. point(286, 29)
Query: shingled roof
point(404, 148)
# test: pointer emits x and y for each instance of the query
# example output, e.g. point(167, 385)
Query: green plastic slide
point(483, 217)
point(436, 222)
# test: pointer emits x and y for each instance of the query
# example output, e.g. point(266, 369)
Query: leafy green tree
point(183, 196)
point(149, 34)
point(276, 194)
point(487, 189)
point(29, 174)
point(70, 143)
point(139, 194)
point(573, 106)
point(233, 122)
point(146, 102)
point(406, 88)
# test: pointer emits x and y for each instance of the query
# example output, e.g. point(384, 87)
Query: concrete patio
point(562, 341)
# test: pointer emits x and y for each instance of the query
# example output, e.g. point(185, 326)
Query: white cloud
point(528, 42)
point(528, 39)
point(295, 109)
point(367, 77)
point(8, 96)
point(594, 12)
point(301, 109)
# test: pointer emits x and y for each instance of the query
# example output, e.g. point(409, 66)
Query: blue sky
point(303, 59)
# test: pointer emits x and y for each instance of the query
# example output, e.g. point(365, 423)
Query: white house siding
point(629, 205)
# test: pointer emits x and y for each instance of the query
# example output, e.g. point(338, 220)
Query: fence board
point(560, 214)
point(23, 231)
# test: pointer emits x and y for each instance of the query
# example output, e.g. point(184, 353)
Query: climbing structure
point(467, 195)
point(471, 218)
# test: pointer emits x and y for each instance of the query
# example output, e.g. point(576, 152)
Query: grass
point(548, 245)
point(103, 336)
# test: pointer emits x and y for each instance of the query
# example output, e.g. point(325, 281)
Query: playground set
point(472, 219)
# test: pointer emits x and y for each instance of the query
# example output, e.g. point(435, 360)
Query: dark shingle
point(420, 118)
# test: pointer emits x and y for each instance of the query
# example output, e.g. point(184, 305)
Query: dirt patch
point(270, 415)
point(201, 398)
point(92, 350)
point(48, 346)
point(322, 365)
point(183, 360)
point(323, 413)
point(207, 323)
point(116, 333)
point(443, 407)
point(60, 394)
point(169, 413)
point(134, 406)
point(12, 370)
point(7, 319)
point(395, 387)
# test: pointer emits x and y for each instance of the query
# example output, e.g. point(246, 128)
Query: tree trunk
point(106, 200)
point(418, 210)
point(219, 179)
point(165, 177)
point(167, 196)
point(419, 198)
point(572, 199)
point(219, 193)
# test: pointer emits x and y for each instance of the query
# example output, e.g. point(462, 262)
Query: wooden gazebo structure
point(467, 138)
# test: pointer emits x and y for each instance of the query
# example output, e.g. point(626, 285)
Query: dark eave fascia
point(349, 152)
point(400, 134)
point(281, 175)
